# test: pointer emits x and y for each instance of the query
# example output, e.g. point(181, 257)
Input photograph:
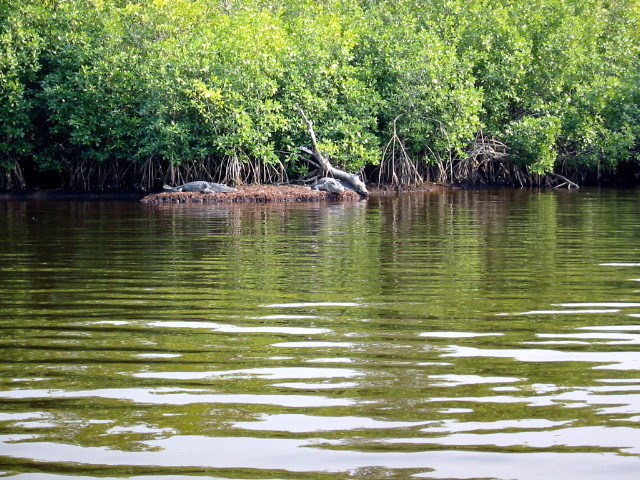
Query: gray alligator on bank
point(328, 184)
point(201, 186)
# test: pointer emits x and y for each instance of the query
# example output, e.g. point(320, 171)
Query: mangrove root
point(396, 167)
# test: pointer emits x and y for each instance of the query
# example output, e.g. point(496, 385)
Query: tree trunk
point(349, 180)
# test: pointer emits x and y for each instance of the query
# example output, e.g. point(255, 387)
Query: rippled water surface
point(458, 335)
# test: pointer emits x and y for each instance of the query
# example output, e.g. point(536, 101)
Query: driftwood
point(565, 181)
point(349, 180)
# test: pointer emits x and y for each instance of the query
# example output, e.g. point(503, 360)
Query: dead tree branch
point(350, 180)
point(564, 180)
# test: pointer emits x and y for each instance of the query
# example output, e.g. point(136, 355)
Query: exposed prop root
point(231, 170)
point(396, 168)
point(486, 163)
point(236, 170)
point(149, 171)
point(12, 178)
point(89, 175)
point(84, 175)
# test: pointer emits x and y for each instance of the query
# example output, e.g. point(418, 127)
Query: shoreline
point(286, 193)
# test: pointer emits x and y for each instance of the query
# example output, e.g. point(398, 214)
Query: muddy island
point(253, 194)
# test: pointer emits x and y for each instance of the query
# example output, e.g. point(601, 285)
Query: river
point(442, 335)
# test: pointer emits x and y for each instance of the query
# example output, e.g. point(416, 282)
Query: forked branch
point(349, 180)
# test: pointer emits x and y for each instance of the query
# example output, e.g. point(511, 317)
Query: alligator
point(328, 184)
point(201, 186)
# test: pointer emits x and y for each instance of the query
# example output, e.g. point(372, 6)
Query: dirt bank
point(244, 194)
point(252, 194)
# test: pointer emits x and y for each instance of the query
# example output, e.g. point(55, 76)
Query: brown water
point(464, 335)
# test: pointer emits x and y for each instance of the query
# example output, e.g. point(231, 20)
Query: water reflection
point(611, 360)
point(302, 456)
point(296, 423)
point(219, 327)
point(460, 335)
point(275, 373)
point(175, 396)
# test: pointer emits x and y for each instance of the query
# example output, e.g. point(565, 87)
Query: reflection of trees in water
point(96, 295)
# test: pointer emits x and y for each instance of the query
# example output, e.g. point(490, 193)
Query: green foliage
point(19, 63)
point(421, 78)
point(568, 60)
point(320, 75)
point(179, 81)
point(533, 140)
